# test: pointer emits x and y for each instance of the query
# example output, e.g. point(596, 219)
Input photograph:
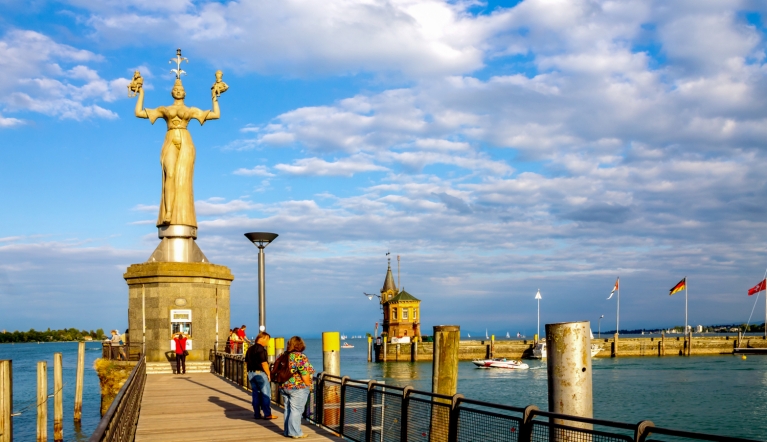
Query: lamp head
point(261, 239)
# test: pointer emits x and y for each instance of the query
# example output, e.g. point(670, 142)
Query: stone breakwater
point(650, 346)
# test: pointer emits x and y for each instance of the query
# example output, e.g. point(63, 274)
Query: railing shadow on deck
point(369, 411)
point(120, 421)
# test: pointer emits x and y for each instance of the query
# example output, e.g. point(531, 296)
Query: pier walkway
point(205, 407)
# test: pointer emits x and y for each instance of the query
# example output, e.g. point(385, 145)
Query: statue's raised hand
point(135, 86)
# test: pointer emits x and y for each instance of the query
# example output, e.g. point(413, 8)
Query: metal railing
point(370, 411)
point(125, 352)
point(120, 421)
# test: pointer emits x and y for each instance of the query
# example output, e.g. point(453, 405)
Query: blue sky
point(498, 147)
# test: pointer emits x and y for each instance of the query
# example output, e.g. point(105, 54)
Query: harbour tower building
point(401, 311)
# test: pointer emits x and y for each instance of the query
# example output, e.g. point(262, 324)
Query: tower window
point(404, 313)
point(394, 313)
point(415, 314)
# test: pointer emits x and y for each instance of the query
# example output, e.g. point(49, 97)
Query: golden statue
point(178, 153)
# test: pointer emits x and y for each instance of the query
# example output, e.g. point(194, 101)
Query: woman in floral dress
point(296, 389)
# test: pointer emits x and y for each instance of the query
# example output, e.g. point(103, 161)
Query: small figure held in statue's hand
point(135, 85)
point(219, 87)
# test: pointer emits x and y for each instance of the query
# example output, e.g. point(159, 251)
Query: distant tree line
point(722, 328)
point(67, 334)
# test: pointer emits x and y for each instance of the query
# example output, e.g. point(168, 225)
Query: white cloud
point(298, 37)
point(255, 171)
point(318, 167)
point(215, 206)
point(36, 81)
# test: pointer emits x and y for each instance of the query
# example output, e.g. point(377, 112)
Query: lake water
point(716, 394)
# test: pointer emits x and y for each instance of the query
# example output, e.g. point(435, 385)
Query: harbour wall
point(670, 346)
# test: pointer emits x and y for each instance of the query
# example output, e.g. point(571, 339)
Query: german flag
point(681, 285)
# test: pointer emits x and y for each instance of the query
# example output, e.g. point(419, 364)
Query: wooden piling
point(58, 398)
point(614, 352)
point(568, 364)
point(385, 347)
point(42, 401)
point(444, 375)
point(370, 348)
point(492, 346)
point(414, 350)
point(78, 415)
point(6, 400)
point(331, 364)
point(689, 344)
point(397, 352)
point(663, 344)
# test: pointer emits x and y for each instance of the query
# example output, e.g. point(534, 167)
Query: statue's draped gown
point(178, 137)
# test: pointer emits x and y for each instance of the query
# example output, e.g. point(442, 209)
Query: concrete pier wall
point(468, 350)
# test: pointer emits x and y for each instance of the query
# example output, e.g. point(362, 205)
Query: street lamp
point(370, 297)
point(538, 297)
point(600, 326)
point(261, 240)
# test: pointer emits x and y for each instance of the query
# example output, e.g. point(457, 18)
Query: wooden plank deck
point(205, 407)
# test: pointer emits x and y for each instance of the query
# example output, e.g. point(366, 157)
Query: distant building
point(87, 338)
point(401, 310)
point(699, 329)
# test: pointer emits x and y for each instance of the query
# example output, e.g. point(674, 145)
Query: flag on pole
point(679, 287)
point(757, 288)
point(617, 281)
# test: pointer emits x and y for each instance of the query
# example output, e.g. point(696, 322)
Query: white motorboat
point(347, 345)
point(508, 364)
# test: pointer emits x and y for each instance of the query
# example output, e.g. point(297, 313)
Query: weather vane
point(178, 61)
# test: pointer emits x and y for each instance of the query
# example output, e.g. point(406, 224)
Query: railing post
point(42, 401)
point(319, 402)
point(526, 432)
point(643, 431)
point(78, 414)
point(342, 414)
point(404, 410)
point(6, 400)
point(452, 429)
point(58, 398)
point(369, 409)
point(568, 346)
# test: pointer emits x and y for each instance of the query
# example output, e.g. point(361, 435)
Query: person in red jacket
point(180, 340)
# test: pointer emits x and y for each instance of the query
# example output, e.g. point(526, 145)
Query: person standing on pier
point(180, 340)
point(258, 375)
point(296, 389)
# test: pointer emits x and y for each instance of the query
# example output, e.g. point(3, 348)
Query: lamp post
point(538, 297)
point(600, 326)
point(261, 240)
point(370, 297)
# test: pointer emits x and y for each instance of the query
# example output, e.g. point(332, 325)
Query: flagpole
point(618, 315)
point(685, 305)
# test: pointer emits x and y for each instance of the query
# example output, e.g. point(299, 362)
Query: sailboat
point(343, 336)
point(468, 335)
point(486, 336)
point(508, 335)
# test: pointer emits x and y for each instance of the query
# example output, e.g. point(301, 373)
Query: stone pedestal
point(156, 288)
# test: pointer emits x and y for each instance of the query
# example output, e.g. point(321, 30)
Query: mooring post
point(397, 352)
point(279, 347)
point(6, 400)
point(615, 346)
point(414, 349)
point(492, 346)
point(331, 365)
point(568, 365)
point(385, 347)
point(270, 357)
point(370, 348)
point(42, 401)
point(444, 376)
point(78, 415)
point(663, 344)
point(58, 398)
point(689, 344)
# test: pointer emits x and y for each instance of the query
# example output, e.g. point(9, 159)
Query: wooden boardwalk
point(205, 407)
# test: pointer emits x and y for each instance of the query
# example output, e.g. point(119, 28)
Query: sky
point(498, 147)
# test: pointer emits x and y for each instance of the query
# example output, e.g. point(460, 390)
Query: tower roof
point(389, 281)
point(404, 296)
